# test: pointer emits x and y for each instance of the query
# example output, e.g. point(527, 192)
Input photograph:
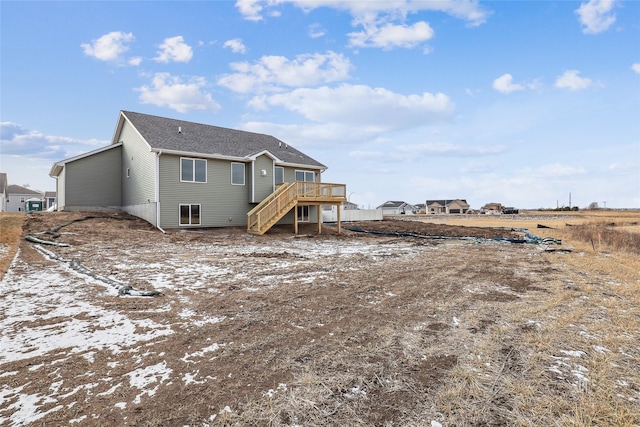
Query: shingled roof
point(164, 134)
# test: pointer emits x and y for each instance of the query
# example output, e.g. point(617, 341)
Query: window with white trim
point(237, 173)
point(193, 170)
point(278, 175)
point(189, 214)
point(306, 176)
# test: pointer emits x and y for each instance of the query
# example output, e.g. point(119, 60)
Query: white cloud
point(109, 47)
point(505, 84)
point(571, 80)
point(316, 31)
point(235, 45)
point(250, 9)
point(383, 23)
point(596, 16)
point(388, 35)
point(447, 149)
point(273, 72)
point(170, 91)
point(558, 170)
point(18, 140)
point(174, 49)
point(636, 67)
point(370, 109)
point(469, 10)
point(419, 152)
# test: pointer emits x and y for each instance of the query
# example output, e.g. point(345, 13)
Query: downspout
point(157, 192)
point(253, 181)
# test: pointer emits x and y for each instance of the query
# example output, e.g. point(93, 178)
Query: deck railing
point(288, 195)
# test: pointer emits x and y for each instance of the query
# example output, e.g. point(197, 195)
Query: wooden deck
point(289, 195)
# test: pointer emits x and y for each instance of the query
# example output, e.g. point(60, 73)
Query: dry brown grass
point(562, 353)
point(567, 357)
point(10, 232)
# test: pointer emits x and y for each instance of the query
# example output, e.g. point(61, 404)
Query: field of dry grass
point(10, 231)
point(333, 330)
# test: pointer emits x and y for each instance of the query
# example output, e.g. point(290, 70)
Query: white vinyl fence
point(351, 215)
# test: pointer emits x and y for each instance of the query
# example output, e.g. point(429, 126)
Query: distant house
point(18, 197)
point(173, 173)
point(491, 207)
point(3, 192)
point(420, 208)
point(393, 207)
point(495, 208)
point(455, 206)
point(349, 205)
point(49, 199)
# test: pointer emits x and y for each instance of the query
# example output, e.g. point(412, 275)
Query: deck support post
point(319, 219)
point(338, 208)
point(295, 219)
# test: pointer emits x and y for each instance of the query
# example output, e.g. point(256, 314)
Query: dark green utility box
point(34, 205)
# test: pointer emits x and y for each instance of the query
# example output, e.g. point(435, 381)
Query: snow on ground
point(57, 312)
point(28, 296)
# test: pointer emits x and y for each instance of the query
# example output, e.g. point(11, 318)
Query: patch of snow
point(141, 378)
point(201, 353)
point(191, 378)
point(28, 295)
point(110, 391)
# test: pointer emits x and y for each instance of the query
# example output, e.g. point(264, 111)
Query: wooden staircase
point(289, 195)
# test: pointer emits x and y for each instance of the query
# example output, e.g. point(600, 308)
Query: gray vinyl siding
point(263, 185)
point(94, 181)
point(139, 187)
point(221, 203)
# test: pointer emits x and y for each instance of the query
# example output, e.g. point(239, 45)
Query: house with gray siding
point(397, 207)
point(17, 197)
point(4, 194)
point(174, 173)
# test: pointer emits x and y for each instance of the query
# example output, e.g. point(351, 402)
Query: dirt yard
point(307, 330)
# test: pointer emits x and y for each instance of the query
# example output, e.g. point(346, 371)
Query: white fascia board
point(200, 155)
point(266, 153)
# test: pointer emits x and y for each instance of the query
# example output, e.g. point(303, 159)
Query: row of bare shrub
point(606, 236)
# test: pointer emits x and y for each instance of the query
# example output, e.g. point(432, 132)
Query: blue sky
point(518, 102)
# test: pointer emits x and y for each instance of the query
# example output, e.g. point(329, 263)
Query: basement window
point(189, 214)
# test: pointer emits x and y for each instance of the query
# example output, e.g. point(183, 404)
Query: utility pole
point(569, 200)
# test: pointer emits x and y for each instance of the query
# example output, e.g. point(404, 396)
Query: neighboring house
point(393, 207)
point(3, 192)
point(173, 173)
point(18, 196)
point(420, 208)
point(349, 205)
point(456, 206)
point(491, 207)
point(49, 199)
